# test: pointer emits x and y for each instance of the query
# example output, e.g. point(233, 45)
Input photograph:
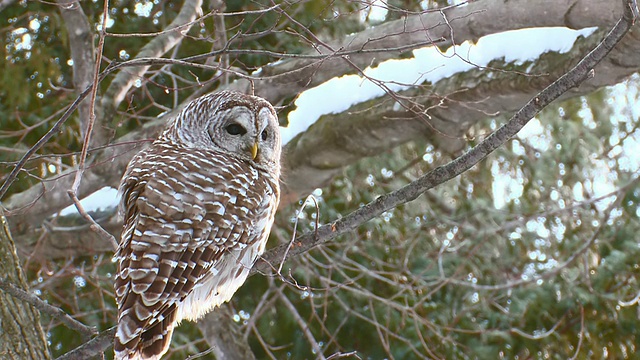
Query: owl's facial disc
point(237, 132)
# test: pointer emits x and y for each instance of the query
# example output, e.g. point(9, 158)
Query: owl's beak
point(254, 151)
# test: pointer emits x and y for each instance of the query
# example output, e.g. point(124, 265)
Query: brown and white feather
point(197, 214)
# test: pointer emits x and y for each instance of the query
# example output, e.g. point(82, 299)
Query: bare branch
point(91, 348)
point(540, 335)
point(410, 192)
point(50, 310)
point(82, 51)
point(156, 47)
point(304, 326)
point(220, 37)
point(581, 336)
point(429, 27)
point(216, 11)
point(105, 235)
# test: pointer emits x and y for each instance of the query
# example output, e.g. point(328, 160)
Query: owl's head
point(242, 125)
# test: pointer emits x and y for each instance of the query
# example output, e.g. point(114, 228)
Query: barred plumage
point(198, 206)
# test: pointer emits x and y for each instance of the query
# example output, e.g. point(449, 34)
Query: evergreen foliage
point(531, 254)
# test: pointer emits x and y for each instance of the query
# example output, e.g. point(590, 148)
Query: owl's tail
point(138, 340)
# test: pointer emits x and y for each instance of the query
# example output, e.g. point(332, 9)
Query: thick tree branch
point(441, 174)
point(470, 22)
point(82, 52)
point(154, 48)
point(224, 336)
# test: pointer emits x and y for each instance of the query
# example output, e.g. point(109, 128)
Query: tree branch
point(224, 336)
point(154, 48)
point(439, 175)
point(91, 348)
point(476, 19)
point(50, 310)
point(220, 38)
point(82, 52)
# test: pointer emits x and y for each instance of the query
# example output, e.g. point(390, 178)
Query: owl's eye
point(264, 134)
point(235, 129)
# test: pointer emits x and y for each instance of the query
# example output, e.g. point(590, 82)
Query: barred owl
point(198, 206)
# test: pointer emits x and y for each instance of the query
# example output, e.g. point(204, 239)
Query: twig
point(92, 103)
point(334, 54)
point(537, 336)
point(92, 347)
point(581, 335)
point(94, 226)
point(54, 312)
point(630, 302)
point(186, 26)
point(220, 40)
point(302, 324)
point(340, 355)
point(295, 227)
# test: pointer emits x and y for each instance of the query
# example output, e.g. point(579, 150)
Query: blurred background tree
point(530, 254)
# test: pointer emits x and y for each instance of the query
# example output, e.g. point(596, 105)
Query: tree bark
point(454, 25)
point(21, 335)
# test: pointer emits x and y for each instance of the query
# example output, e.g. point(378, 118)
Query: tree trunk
point(21, 336)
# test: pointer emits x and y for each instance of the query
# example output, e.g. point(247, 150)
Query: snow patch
point(428, 64)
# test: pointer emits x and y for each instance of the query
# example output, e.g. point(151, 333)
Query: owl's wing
point(176, 229)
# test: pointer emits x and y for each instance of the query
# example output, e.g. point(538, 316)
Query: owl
point(198, 205)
